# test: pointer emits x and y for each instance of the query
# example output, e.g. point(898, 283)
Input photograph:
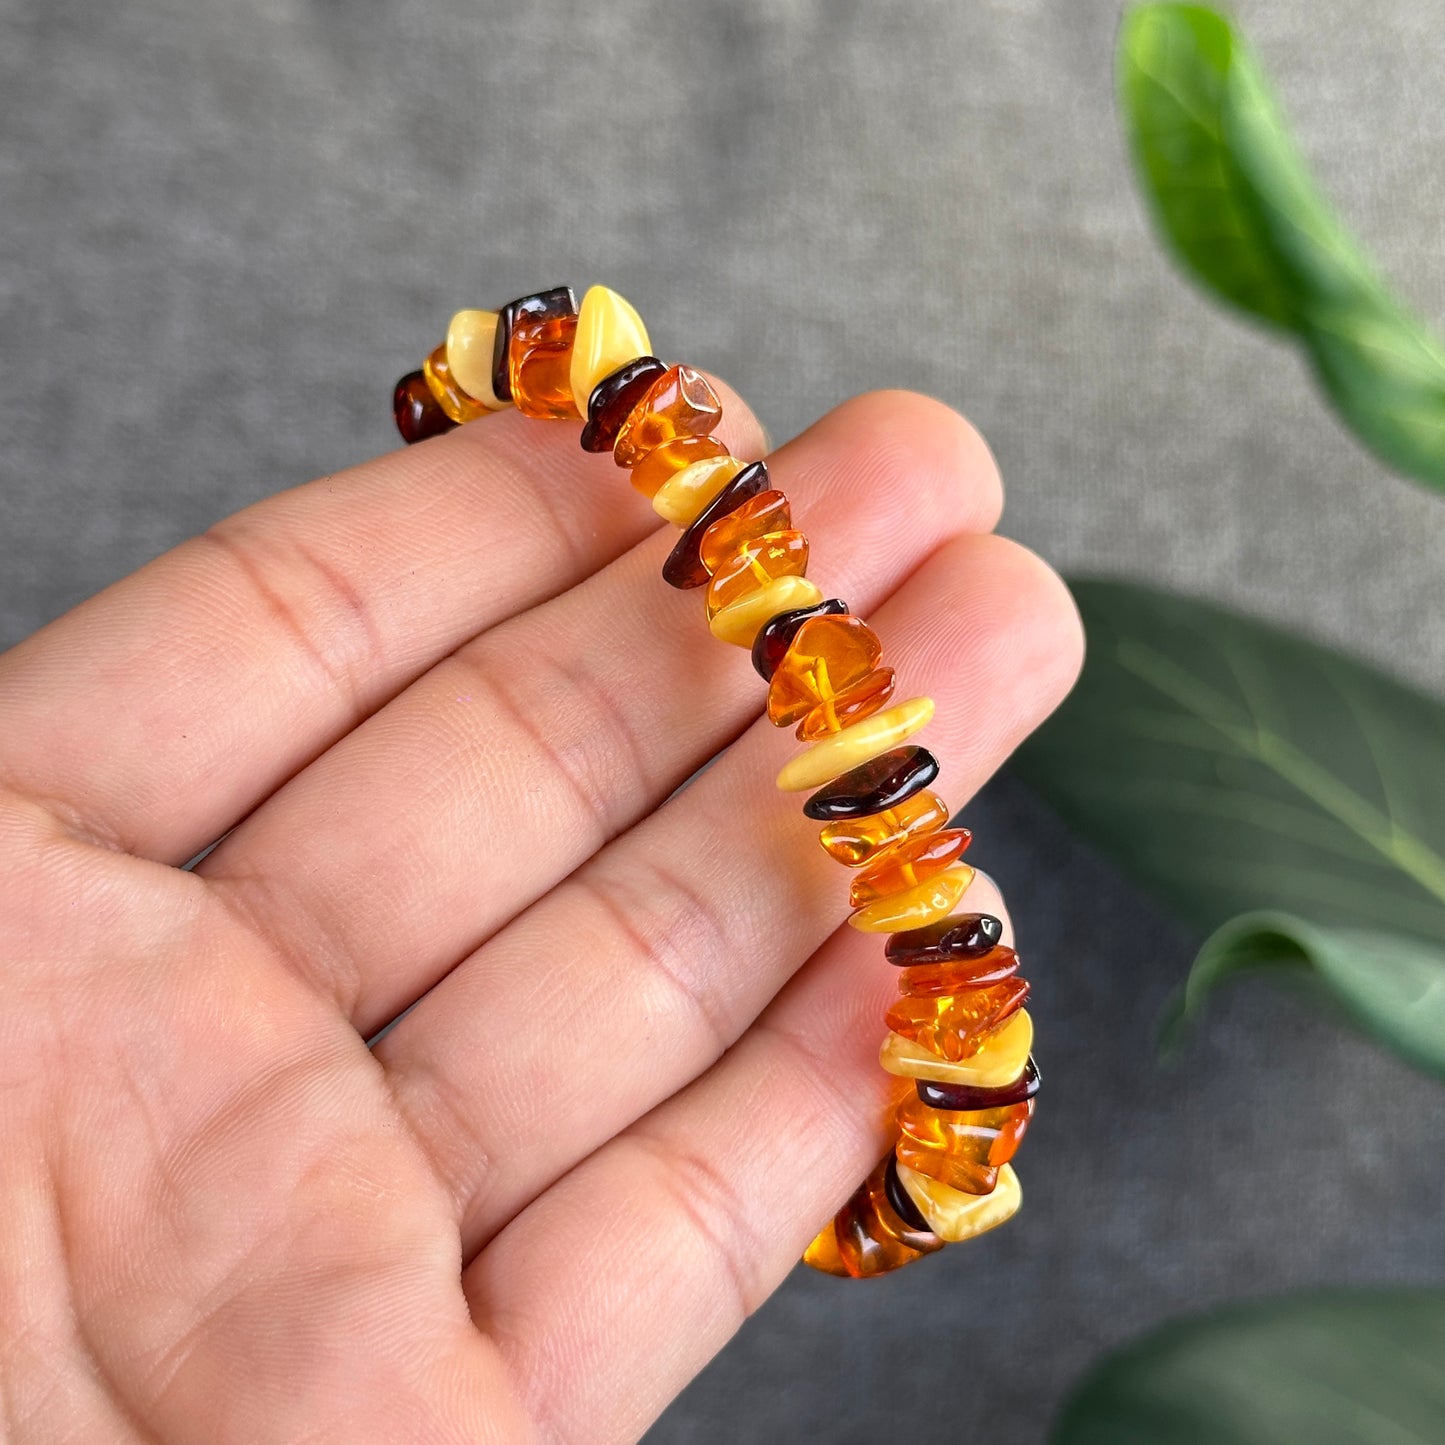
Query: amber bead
point(872, 1238)
point(683, 496)
point(962, 1150)
point(822, 1254)
point(683, 568)
point(610, 333)
point(966, 1096)
point(882, 782)
point(664, 462)
point(471, 339)
point(930, 980)
point(539, 306)
point(953, 1215)
point(757, 517)
point(834, 756)
point(681, 402)
point(418, 413)
point(856, 841)
point(539, 366)
point(914, 906)
point(738, 623)
point(907, 863)
point(450, 397)
point(967, 935)
point(775, 639)
point(850, 706)
point(998, 1063)
point(956, 1026)
point(613, 399)
point(754, 565)
point(826, 656)
point(901, 1200)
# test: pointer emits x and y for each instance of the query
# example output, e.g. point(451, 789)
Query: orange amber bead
point(753, 566)
point(458, 406)
point(729, 534)
point(664, 462)
point(963, 1150)
point(870, 1235)
point(826, 656)
point(853, 841)
point(680, 403)
point(909, 862)
point(850, 705)
point(539, 366)
point(930, 980)
point(956, 1026)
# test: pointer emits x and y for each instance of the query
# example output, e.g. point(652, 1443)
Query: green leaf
point(1229, 766)
point(1232, 197)
point(1343, 1367)
point(1392, 987)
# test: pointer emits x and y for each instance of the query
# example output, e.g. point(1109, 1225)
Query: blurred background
point(226, 229)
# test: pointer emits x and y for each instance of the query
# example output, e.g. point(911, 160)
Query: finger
point(166, 707)
point(532, 1053)
point(512, 761)
point(613, 1289)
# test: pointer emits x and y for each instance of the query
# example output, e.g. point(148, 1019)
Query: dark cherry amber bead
point(684, 568)
point(931, 980)
point(418, 413)
point(613, 399)
point(900, 1198)
point(959, 1097)
point(960, 935)
point(881, 782)
point(772, 642)
point(539, 306)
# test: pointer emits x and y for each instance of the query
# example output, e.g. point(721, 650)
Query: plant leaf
point(1232, 197)
point(1392, 987)
point(1342, 1367)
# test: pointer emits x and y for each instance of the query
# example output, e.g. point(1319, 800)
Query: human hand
point(442, 700)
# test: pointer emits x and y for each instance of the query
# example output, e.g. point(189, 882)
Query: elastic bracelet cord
point(959, 1037)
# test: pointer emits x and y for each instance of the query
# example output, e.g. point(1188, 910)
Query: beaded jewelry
point(959, 1039)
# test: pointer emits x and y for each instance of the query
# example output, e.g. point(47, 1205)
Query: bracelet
point(959, 1039)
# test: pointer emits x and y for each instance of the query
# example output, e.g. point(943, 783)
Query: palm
point(228, 1219)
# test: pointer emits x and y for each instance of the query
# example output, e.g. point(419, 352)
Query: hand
point(440, 702)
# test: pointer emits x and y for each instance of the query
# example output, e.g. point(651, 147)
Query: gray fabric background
point(226, 228)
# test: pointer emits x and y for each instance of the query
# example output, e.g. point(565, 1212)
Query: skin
point(438, 706)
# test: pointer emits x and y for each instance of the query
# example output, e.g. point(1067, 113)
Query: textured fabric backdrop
point(226, 228)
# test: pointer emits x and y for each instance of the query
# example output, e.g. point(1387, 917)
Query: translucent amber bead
point(827, 655)
point(680, 403)
point(871, 1237)
point(822, 1254)
point(681, 498)
point(905, 864)
point(774, 640)
point(998, 1063)
point(610, 333)
point(914, 906)
point(539, 362)
point(932, 980)
point(683, 567)
point(965, 1096)
point(471, 339)
point(861, 743)
point(970, 935)
point(849, 706)
point(613, 399)
point(759, 516)
point(754, 565)
point(899, 1198)
point(964, 1151)
point(539, 306)
point(417, 412)
point(953, 1215)
point(458, 406)
point(854, 841)
point(739, 623)
point(663, 463)
point(957, 1025)
point(881, 783)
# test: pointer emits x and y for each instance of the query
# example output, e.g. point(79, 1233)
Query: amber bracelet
point(959, 1037)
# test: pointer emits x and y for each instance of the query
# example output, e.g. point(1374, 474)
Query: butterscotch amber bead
point(739, 623)
point(872, 1238)
point(872, 787)
point(905, 864)
point(827, 655)
point(610, 333)
point(956, 1026)
point(683, 568)
point(774, 640)
point(539, 306)
point(755, 564)
point(962, 1150)
point(418, 413)
point(471, 339)
point(663, 463)
point(851, 705)
point(727, 536)
point(914, 906)
point(613, 399)
point(822, 1254)
point(953, 1215)
point(680, 403)
point(539, 362)
point(965, 1096)
point(858, 744)
point(450, 397)
point(682, 497)
point(969, 935)
point(856, 841)
point(998, 1063)
point(932, 980)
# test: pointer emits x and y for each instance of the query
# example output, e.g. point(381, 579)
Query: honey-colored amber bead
point(998, 1063)
point(915, 860)
point(886, 781)
point(970, 935)
point(613, 399)
point(774, 640)
point(953, 1215)
point(680, 403)
point(856, 841)
point(964, 1151)
point(965, 1096)
point(822, 1254)
point(416, 411)
point(610, 333)
point(849, 706)
point(683, 568)
point(663, 463)
point(757, 517)
point(535, 307)
point(872, 1239)
point(739, 623)
point(827, 655)
point(682, 497)
point(458, 406)
point(957, 1025)
point(471, 338)
point(933, 980)
point(539, 361)
point(914, 906)
point(844, 751)
point(754, 565)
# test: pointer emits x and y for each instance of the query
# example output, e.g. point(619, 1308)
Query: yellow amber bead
point(443, 385)
point(610, 333)
point(953, 1215)
point(823, 1254)
point(835, 755)
point(915, 907)
point(739, 624)
point(470, 339)
point(681, 498)
point(1000, 1061)
point(855, 841)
